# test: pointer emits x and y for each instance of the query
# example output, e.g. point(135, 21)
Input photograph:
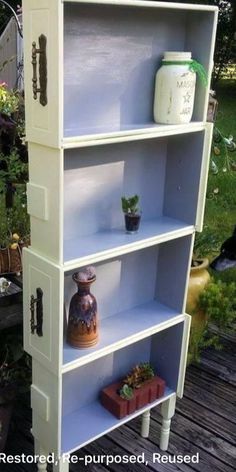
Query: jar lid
point(177, 56)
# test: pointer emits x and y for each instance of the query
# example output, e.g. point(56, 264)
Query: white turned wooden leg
point(39, 451)
point(167, 411)
point(61, 466)
point(145, 424)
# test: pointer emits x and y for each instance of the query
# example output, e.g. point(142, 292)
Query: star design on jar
point(187, 97)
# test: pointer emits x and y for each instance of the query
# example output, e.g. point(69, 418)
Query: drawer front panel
point(45, 402)
point(42, 315)
point(43, 114)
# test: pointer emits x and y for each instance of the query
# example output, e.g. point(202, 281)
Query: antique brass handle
point(38, 327)
point(42, 89)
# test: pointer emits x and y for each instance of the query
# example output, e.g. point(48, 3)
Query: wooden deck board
point(197, 376)
point(180, 445)
point(221, 364)
point(129, 438)
point(202, 438)
point(210, 401)
point(204, 422)
point(212, 422)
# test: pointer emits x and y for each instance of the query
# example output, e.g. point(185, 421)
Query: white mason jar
point(174, 89)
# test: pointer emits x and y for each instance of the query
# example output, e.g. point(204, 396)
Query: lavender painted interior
point(135, 292)
point(164, 172)
point(95, 178)
point(122, 283)
point(111, 55)
point(87, 381)
point(83, 385)
point(139, 277)
point(81, 408)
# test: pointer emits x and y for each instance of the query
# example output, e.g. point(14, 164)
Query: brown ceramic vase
point(82, 331)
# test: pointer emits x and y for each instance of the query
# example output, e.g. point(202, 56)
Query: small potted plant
point(132, 213)
point(140, 387)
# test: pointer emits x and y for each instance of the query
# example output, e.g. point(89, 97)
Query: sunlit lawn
point(220, 213)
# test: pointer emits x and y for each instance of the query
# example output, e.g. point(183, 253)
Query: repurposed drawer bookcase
point(92, 139)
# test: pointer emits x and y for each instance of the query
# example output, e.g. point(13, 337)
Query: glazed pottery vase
point(199, 278)
point(82, 331)
point(132, 222)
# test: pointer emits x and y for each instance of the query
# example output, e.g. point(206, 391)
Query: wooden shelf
point(109, 82)
point(121, 330)
point(130, 133)
point(78, 252)
point(147, 4)
point(92, 421)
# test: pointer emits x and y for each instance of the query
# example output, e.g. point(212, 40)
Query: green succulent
point(126, 392)
point(139, 375)
point(130, 204)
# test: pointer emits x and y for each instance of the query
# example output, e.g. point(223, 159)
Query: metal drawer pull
point(38, 327)
point(42, 89)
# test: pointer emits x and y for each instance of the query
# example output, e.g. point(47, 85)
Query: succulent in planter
point(132, 213)
point(139, 375)
point(126, 392)
point(140, 387)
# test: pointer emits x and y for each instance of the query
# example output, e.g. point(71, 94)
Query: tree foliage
point(225, 49)
point(225, 52)
point(6, 14)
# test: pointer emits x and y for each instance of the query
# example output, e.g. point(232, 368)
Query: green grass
point(226, 95)
point(220, 211)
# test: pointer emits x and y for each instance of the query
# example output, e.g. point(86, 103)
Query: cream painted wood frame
point(69, 157)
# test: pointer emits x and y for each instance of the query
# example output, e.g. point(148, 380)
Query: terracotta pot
point(82, 331)
point(199, 278)
point(119, 407)
point(112, 401)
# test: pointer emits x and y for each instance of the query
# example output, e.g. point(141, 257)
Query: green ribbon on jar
point(194, 66)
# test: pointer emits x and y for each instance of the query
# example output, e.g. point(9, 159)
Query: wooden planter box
point(11, 259)
point(120, 407)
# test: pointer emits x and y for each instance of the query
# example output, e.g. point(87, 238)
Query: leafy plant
point(201, 339)
point(139, 374)
point(126, 392)
point(218, 301)
point(130, 204)
point(14, 222)
point(221, 146)
point(9, 100)
point(12, 169)
point(15, 368)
